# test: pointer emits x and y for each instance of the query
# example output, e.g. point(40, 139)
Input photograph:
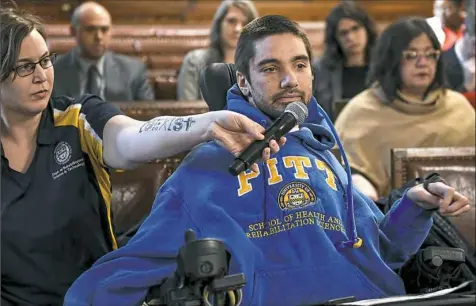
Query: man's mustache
point(286, 93)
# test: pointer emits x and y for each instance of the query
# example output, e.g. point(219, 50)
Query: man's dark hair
point(261, 28)
point(387, 56)
point(333, 53)
point(15, 25)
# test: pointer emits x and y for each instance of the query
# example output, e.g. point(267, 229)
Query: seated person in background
point(230, 17)
point(460, 59)
point(341, 72)
point(91, 68)
point(406, 106)
point(447, 23)
point(292, 226)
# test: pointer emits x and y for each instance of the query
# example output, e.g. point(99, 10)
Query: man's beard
point(271, 109)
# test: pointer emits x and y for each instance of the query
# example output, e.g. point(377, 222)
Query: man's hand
point(236, 132)
point(440, 196)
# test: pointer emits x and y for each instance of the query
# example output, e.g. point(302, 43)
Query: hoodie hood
point(321, 136)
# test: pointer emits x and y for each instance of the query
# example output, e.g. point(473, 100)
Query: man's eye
point(269, 69)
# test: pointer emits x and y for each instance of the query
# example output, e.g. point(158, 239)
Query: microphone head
point(298, 110)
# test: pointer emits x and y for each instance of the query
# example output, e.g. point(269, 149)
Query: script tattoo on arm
point(167, 124)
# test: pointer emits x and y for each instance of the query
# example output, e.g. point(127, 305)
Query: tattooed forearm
point(172, 124)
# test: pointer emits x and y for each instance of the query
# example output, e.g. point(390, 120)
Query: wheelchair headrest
point(215, 80)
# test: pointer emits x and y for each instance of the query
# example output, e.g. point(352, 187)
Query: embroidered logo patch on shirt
point(63, 156)
point(63, 153)
point(296, 195)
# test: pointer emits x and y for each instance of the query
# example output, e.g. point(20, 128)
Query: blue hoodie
point(290, 228)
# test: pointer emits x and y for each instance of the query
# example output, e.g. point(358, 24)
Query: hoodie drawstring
point(354, 241)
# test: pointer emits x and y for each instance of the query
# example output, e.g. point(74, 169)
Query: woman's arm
point(128, 142)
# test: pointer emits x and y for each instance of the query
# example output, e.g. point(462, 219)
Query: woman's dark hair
point(15, 25)
point(248, 9)
point(333, 52)
point(387, 57)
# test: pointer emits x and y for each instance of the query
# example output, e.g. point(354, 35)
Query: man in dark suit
point(460, 59)
point(91, 68)
point(453, 70)
point(459, 64)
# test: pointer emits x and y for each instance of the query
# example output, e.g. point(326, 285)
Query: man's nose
point(289, 80)
point(99, 34)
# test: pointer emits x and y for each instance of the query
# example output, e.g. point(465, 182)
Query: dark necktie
point(93, 85)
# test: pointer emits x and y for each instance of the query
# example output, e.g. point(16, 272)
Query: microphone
point(294, 114)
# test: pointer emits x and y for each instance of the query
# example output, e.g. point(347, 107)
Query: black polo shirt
point(56, 217)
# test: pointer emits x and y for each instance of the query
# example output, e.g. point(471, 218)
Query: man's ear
point(242, 83)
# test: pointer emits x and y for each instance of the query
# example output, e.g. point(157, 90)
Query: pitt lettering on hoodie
point(301, 165)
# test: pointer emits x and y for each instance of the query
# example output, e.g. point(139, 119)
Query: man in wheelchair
point(295, 226)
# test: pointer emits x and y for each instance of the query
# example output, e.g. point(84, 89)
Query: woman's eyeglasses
point(28, 68)
point(412, 55)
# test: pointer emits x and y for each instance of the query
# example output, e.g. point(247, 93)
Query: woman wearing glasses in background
point(406, 106)
point(57, 153)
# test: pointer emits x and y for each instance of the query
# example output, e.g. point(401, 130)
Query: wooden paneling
point(395, 9)
point(140, 30)
point(49, 10)
point(137, 46)
point(202, 11)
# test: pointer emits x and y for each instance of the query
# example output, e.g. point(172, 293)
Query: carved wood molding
point(401, 158)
